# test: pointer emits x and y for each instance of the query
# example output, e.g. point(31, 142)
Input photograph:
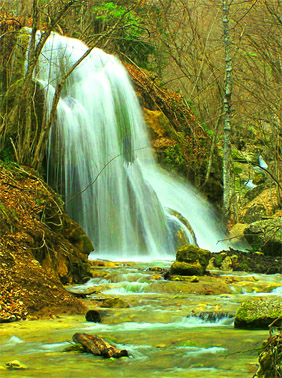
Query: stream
point(155, 320)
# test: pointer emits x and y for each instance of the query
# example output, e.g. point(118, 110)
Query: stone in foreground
point(258, 314)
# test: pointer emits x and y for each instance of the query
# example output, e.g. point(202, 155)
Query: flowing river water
point(100, 133)
point(155, 321)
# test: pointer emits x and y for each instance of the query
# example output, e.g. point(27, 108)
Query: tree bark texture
point(227, 112)
point(98, 346)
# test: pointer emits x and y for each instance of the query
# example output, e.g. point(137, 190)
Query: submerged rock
point(214, 316)
point(113, 302)
point(185, 278)
point(81, 292)
point(15, 365)
point(258, 313)
point(190, 261)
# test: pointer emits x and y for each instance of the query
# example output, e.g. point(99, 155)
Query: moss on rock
point(191, 254)
point(258, 313)
point(186, 269)
point(256, 262)
point(190, 260)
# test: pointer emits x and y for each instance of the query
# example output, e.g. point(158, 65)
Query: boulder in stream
point(190, 261)
point(258, 313)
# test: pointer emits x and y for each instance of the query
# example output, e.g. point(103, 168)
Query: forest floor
point(29, 283)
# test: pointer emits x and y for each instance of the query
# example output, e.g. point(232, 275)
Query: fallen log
point(98, 346)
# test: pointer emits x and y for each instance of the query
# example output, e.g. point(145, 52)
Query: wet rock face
point(266, 236)
point(190, 260)
point(257, 211)
point(258, 314)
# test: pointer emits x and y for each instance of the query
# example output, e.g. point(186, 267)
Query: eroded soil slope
point(41, 249)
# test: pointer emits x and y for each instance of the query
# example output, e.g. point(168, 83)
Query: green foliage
point(208, 131)
point(173, 158)
point(130, 35)
point(110, 11)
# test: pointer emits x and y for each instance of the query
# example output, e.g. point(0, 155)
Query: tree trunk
point(97, 346)
point(227, 112)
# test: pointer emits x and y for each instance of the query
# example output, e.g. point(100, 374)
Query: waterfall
point(100, 159)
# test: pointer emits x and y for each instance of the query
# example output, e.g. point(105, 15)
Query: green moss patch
point(258, 313)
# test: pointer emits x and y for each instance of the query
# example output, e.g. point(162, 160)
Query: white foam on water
point(15, 340)
point(191, 322)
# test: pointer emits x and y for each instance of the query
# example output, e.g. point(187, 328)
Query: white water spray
point(125, 212)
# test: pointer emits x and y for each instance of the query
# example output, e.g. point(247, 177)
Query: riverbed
point(171, 329)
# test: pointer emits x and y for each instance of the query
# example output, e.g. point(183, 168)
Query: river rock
point(113, 303)
point(15, 365)
point(182, 268)
point(190, 261)
point(266, 236)
point(93, 316)
point(258, 313)
point(214, 316)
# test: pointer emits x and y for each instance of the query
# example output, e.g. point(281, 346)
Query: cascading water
point(100, 136)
